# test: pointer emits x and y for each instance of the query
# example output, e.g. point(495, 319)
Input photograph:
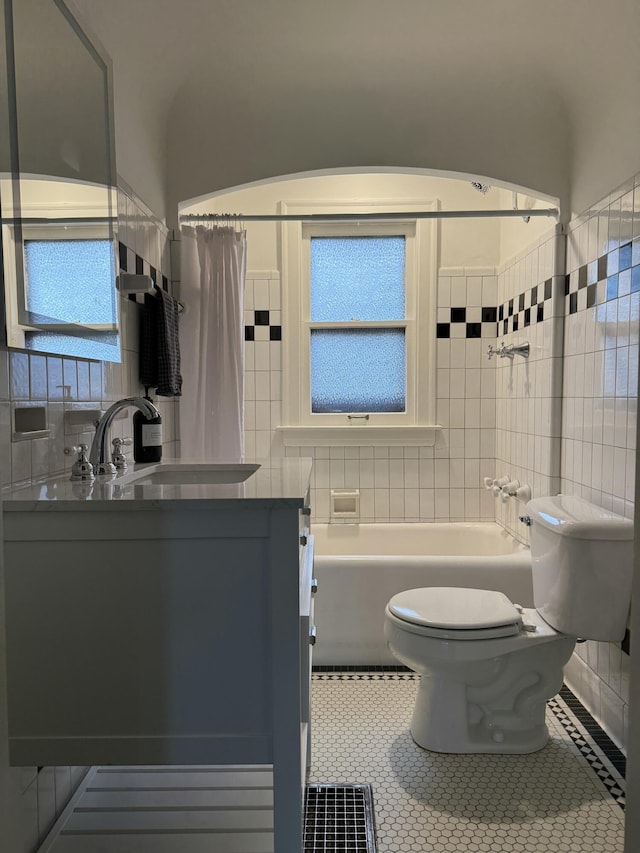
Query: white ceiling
point(226, 91)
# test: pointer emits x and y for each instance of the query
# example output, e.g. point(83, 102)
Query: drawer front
point(307, 628)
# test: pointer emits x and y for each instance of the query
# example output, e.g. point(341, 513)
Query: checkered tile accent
point(528, 308)
point(466, 322)
point(131, 262)
point(617, 273)
point(262, 318)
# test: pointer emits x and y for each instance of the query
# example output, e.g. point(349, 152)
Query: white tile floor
point(549, 802)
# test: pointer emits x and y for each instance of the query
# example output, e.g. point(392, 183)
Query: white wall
point(139, 121)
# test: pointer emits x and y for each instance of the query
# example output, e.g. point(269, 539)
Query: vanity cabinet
point(153, 631)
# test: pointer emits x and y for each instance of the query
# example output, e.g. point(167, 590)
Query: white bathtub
point(360, 566)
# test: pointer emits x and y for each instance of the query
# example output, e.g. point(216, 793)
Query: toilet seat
point(455, 613)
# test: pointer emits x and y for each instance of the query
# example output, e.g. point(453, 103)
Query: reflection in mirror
point(58, 201)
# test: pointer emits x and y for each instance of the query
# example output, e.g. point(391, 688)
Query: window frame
point(302, 427)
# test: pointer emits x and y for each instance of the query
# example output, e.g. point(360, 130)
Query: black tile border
point(526, 308)
point(365, 667)
point(602, 278)
point(602, 739)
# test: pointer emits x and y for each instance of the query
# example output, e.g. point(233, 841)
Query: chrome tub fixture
point(509, 351)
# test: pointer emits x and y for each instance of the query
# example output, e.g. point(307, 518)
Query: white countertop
point(278, 479)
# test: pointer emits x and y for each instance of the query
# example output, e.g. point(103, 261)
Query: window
point(69, 280)
point(358, 329)
point(65, 301)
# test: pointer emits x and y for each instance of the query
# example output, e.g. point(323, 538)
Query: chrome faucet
point(505, 351)
point(514, 349)
point(98, 452)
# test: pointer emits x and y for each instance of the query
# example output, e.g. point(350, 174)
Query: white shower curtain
point(213, 267)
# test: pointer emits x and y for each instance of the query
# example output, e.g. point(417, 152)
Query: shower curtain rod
point(356, 217)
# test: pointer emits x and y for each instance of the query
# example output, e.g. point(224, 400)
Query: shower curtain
point(213, 267)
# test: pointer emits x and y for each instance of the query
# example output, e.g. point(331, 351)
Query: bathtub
point(360, 566)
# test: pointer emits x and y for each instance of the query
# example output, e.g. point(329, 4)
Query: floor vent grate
point(339, 819)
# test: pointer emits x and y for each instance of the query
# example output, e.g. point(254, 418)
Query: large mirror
point(57, 188)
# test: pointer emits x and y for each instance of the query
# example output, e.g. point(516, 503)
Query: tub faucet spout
point(98, 452)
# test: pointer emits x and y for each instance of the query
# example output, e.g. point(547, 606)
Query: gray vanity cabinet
point(162, 632)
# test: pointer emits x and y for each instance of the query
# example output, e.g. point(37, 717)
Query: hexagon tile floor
point(566, 798)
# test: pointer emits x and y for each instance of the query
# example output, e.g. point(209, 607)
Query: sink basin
point(192, 474)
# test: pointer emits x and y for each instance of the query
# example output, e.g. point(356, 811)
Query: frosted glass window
point(357, 278)
point(103, 346)
point(71, 281)
point(358, 370)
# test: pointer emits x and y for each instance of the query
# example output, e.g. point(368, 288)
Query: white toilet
point(488, 666)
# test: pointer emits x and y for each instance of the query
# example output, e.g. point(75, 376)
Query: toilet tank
point(582, 564)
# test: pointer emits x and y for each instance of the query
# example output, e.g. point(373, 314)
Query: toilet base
point(498, 708)
point(444, 722)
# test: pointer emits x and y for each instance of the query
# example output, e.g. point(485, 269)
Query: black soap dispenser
point(147, 437)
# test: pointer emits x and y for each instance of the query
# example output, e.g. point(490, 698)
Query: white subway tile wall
point(441, 483)
point(57, 384)
point(599, 407)
point(529, 390)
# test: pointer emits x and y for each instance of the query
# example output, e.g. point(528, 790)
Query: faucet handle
point(82, 469)
point(117, 456)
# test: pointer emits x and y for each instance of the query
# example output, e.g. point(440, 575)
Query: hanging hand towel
point(160, 345)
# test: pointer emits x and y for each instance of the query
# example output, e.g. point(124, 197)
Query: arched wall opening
point(462, 242)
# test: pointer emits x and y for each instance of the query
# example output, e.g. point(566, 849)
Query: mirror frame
point(101, 58)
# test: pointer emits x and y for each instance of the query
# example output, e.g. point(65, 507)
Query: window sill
point(354, 436)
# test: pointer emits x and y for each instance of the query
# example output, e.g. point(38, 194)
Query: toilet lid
point(456, 609)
